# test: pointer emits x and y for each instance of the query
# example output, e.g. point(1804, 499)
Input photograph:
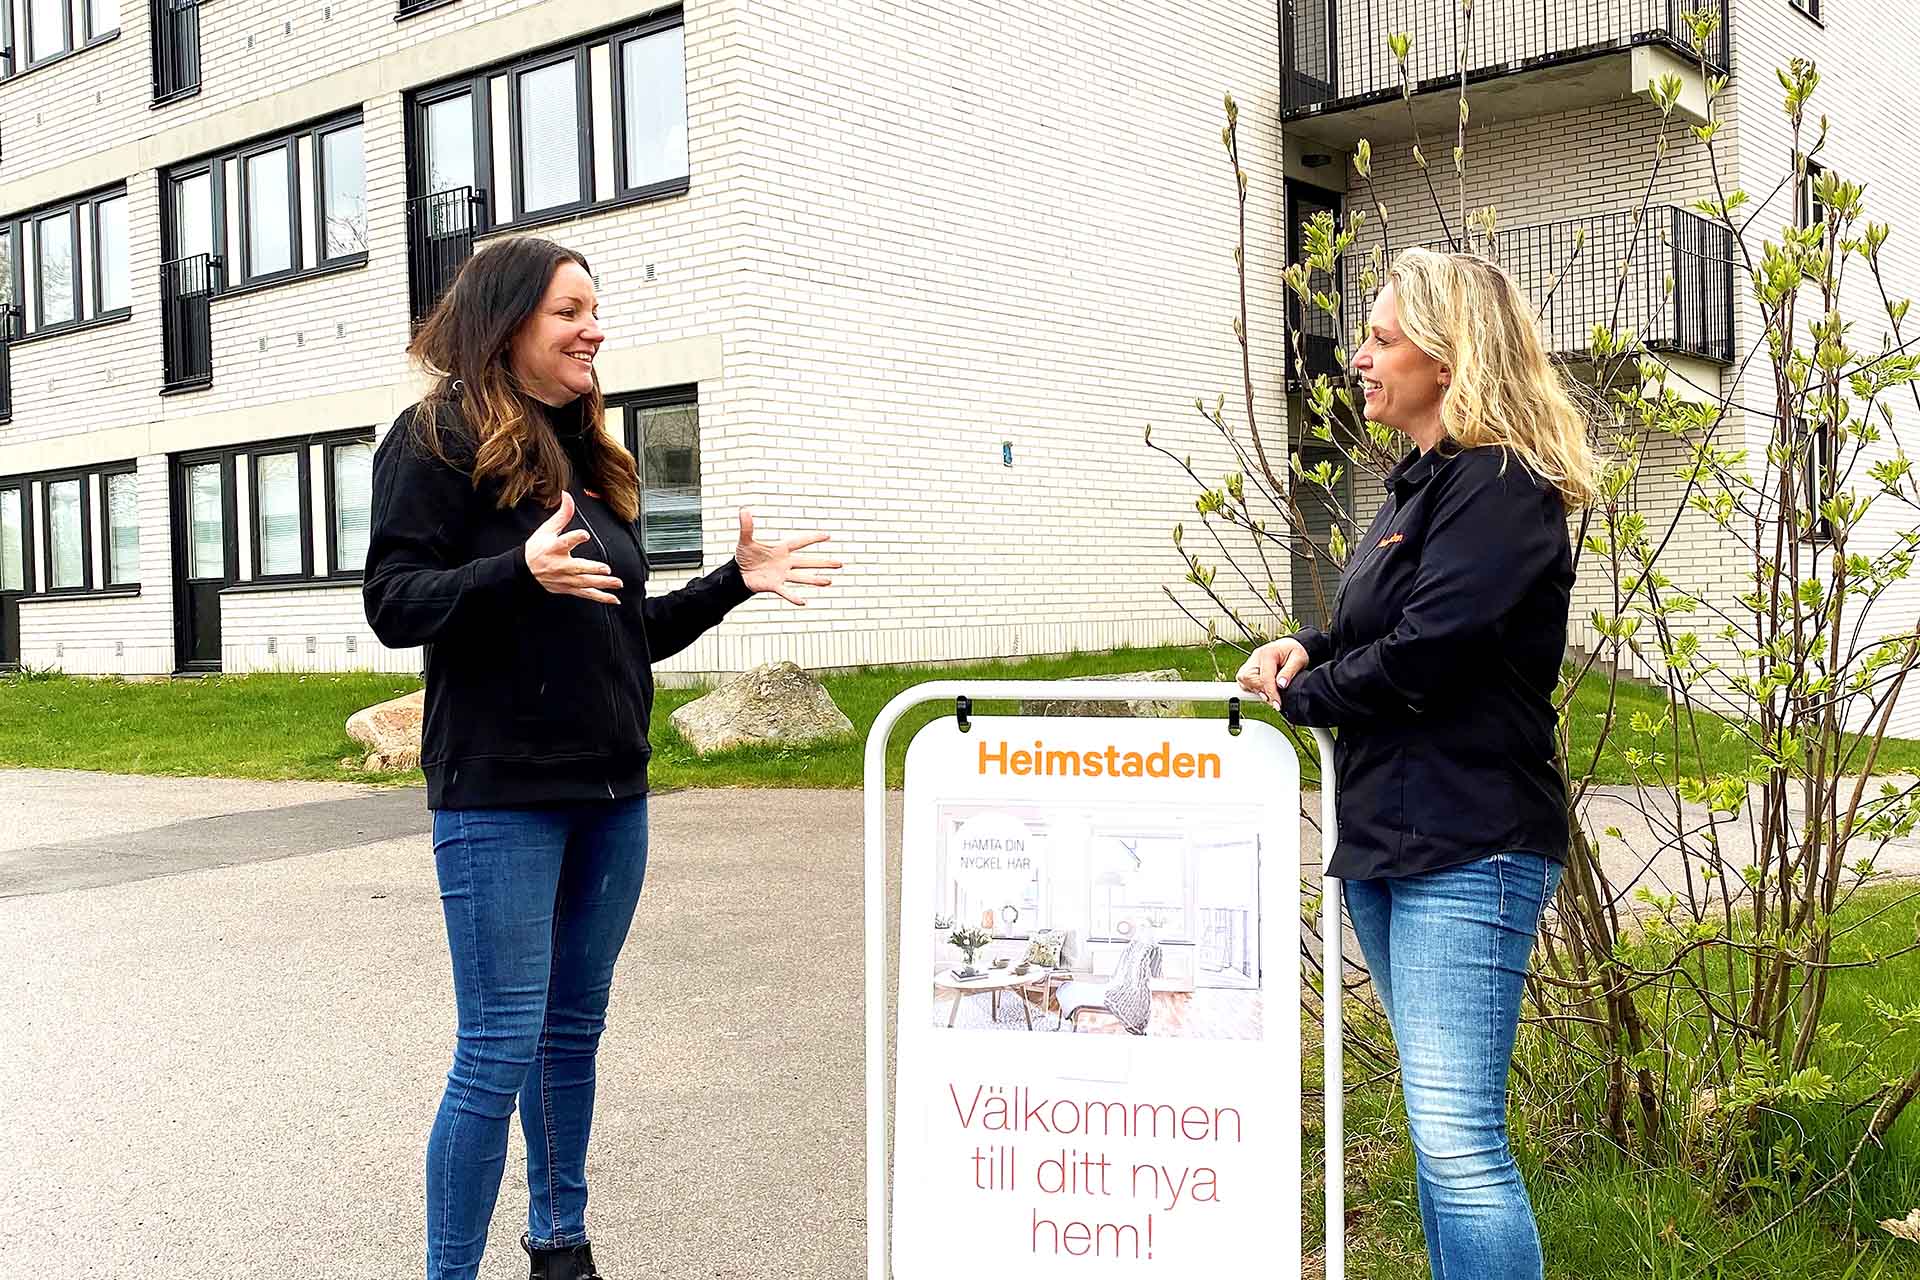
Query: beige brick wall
point(250, 51)
point(907, 239)
point(1018, 230)
point(1859, 51)
point(312, 629)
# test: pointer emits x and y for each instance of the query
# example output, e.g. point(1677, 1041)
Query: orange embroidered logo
point(1389, 540)
point(591, 494)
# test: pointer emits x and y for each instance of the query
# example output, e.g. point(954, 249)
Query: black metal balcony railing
point(440, 231)
point(187, 286)
point(1335, 51)
point(176, 49)
point(1572, 272)
point(9, 318)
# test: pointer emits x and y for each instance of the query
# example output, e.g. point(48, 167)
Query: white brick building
point(848, 254)
point(1564, 139)
point(845, 255)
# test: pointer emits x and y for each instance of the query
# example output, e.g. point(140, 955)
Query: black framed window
point(651, 108)
point(449, 135)
point(1809, 7)
point(1809, 210)
point(349, 483)
point(341, 193)
point(56, 270)
point(120, 526)
point(112, 283)
point(269, 212)
point(58, 519)
point(283, 233)
point(661, 429)
point(49, 29)
point(191, 212)
point(67, 264)
point(16, 541)
point(1818, 481)
point(66, 538)
point(594, 122)
point(286, 518)
point(282, 505)
point(552, 156)
point(35, 32)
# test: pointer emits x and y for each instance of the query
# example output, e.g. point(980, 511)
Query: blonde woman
point(1438, 675)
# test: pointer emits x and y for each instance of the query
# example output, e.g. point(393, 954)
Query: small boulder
point(1135, 707)
point(390, 731)
point(773, 704)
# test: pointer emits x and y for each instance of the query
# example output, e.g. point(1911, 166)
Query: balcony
point(176, 49)
point(440, 231)
point(1572, 272)
point(1339, 82)
point(187, 286)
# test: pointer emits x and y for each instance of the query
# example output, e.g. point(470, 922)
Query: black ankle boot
point(574, 1262)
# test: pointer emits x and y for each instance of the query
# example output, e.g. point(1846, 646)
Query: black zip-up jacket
point(532, 698)
point(1449, 628)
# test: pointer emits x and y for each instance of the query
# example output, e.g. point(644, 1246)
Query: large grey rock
point(390, 731)
point(775, 703)
point(1134, 707)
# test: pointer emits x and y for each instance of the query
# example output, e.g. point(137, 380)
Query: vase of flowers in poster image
point(1118, 920)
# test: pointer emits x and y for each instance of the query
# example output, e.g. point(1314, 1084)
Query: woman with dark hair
point(505, 541)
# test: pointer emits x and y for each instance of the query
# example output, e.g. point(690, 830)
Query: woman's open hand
point(775, 566)
point(550, 556)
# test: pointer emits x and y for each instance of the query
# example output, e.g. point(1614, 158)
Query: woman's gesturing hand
point(1271, 667)
point(550, 556)
point(775, 566)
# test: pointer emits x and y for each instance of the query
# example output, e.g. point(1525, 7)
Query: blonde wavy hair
point(1467, 313)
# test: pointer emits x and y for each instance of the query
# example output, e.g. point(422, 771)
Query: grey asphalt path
point(226, 1036)
point(229, 1016)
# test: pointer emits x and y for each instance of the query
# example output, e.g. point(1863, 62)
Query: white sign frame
point(877, 955)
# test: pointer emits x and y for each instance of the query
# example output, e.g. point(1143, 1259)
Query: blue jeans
point(537, 903)
point(1448, 955)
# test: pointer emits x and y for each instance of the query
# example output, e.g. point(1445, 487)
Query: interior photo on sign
point(1094, 921)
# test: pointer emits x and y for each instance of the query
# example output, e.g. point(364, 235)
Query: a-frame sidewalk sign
point(1083, 1029)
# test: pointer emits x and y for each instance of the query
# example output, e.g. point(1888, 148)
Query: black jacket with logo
point(1448, 632)
point(532, 698)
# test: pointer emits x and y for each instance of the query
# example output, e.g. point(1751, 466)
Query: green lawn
point(1603, 1217)
point(264, 726)
point(291, 726)
point(1722, 750)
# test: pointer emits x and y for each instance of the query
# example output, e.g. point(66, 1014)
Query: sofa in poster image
point(1123, 921)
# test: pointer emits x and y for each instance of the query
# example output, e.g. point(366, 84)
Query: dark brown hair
point(464, 343)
